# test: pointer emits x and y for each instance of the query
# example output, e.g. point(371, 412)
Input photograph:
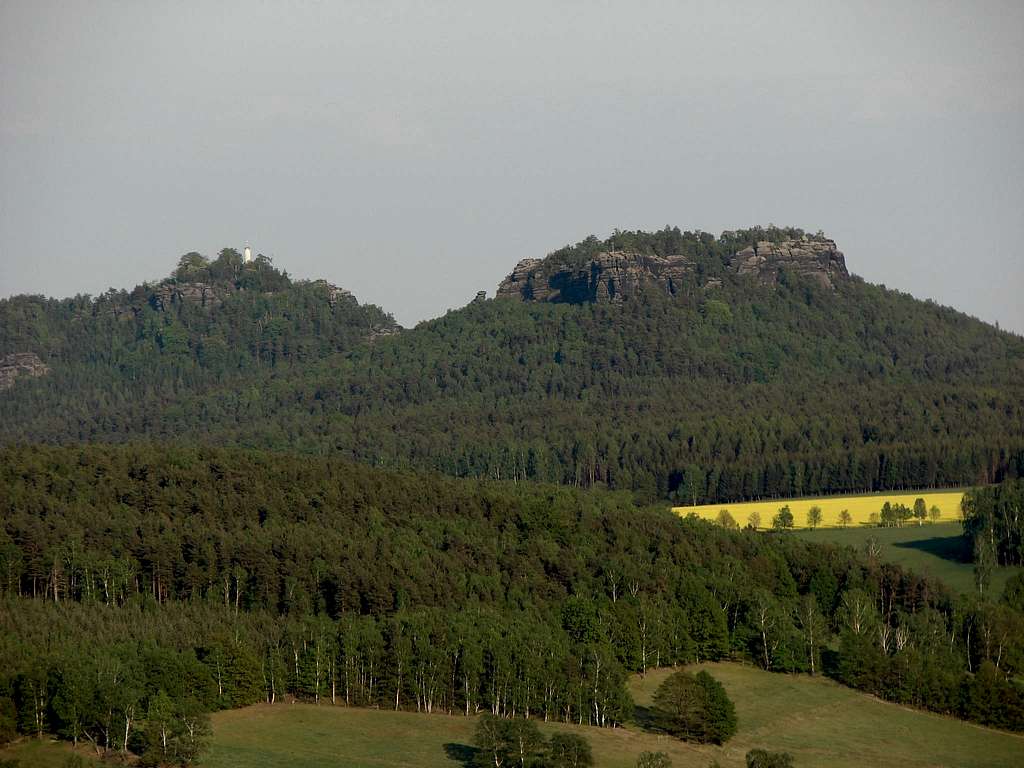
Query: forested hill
point(74, 368)
point(221, 577)
point(672, 364)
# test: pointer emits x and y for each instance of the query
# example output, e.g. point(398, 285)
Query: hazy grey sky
point(413, 152)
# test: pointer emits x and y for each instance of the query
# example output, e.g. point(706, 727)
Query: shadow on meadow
point(952, 548)
point(461, 753)
point(647, 719)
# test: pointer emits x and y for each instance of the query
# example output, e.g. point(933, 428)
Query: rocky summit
point(616, 275)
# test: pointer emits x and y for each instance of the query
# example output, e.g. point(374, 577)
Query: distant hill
point(673, 364)
point(106, 367)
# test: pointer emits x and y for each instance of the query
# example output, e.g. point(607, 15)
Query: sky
point(414, 152)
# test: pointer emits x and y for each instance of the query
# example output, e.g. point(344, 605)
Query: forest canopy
point(217, 578)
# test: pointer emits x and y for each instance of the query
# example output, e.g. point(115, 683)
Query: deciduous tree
point(695, 708)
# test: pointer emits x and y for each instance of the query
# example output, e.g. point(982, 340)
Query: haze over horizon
point(413, 153)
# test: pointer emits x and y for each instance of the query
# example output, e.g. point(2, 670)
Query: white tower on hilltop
point(247, 254)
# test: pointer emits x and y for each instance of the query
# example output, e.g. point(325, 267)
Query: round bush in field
point(760, 758)
point(695, 708)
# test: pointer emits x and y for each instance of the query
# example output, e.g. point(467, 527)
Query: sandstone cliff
point(20, 365)
point(816, 259)
point(210, 295)
point(616, 275)
point(205, 295)
point(334, 293)
point(607, 277)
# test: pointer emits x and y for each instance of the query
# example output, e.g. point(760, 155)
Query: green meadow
point(933, 549)
point(818, 721)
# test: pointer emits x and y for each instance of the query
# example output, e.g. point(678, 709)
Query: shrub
point(8, 720)
point(653, 760)
point(695, 708)
point(761, 758)
point(505, 742)
point(567, 750)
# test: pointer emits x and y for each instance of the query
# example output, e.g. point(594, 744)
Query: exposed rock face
point(334, 293)
point(608, 277)
point(617, 275)
point(383, 331)
point(336, 296)
point(817, 259)
point(169, 294)
point(18, 365)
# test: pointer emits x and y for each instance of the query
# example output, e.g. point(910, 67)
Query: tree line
point(122, 679)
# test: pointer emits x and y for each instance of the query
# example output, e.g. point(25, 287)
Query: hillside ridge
point(766, 371)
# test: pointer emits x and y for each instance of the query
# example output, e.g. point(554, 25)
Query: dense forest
point(143, 586)
point(725, 390)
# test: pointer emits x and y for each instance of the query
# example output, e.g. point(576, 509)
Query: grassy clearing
point(824, 724)
point(860, 507)
point(935, 550)
point(33, 753)
point(818, 721)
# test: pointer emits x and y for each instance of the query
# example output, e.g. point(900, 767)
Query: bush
point(1013, 592)
point(761, 758)
point(567, 750)
point(8, 720)
point(506, 742)
point(695, 708)
point(653, 760)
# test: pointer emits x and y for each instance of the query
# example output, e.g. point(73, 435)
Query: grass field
point(818, 721)
point(860, 507)
point(33, 753)
point(931, 549)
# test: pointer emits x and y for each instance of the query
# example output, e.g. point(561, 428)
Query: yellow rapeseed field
point(860, 508)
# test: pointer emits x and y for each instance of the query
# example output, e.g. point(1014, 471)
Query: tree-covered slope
point(714, 380)
point(106, 366)
point(224, 577)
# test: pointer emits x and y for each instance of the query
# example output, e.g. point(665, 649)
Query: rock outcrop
point(818, 259)
point(207, 296)
point(383, 331)
point(334, 293)
point(607, 277)
point(20, 365)
point(616, 275)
